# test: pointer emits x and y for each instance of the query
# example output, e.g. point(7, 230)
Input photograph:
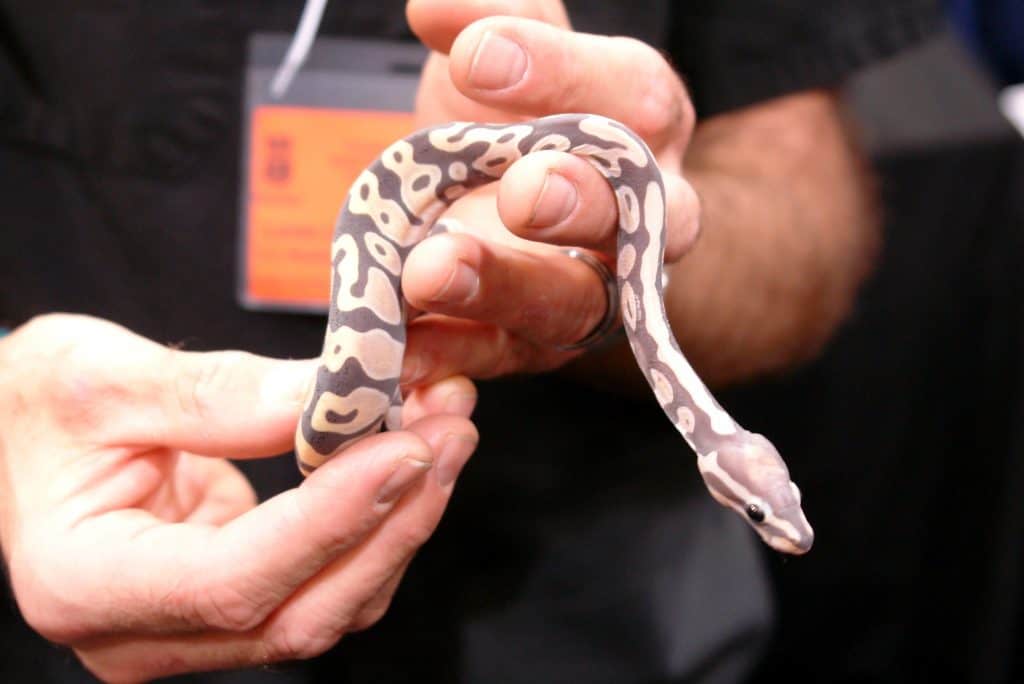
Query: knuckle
point(47, 326)
point(542, 10)
point(117, 665)
point(506, 354)
point(577, 86)
point(81, 395)
point(43, 603)
point(44, 618)
point(684, 117)
point(668, 106)
point(192, 385)
point(227, 608)
point(634, 50)
point(114, 672)
point(299, 639)
point(324, 541)
point(370, 615)
point(412, 536)
point(685, 222)
point(197, 385)
point(694, 207)
point(61, 363)
point(57, 331)
point(39, 344)
point(536, 315)
point(41, 326)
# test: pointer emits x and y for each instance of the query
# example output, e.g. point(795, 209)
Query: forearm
point(789, 230)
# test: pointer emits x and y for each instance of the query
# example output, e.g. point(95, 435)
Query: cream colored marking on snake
point(393, 205)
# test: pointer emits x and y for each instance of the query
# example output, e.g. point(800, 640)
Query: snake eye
point(755, 513)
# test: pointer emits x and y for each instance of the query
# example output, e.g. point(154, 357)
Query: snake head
point(747, 475)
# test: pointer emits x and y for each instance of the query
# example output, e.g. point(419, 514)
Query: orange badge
point(303, 161)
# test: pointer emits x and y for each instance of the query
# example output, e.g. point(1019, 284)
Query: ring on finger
point(611, 287)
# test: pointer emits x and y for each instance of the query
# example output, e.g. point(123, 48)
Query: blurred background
point(910, 427)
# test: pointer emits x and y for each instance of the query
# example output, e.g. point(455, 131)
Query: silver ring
point(611, 288)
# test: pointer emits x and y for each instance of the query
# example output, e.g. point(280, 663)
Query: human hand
point(130, 538)
point(501, 300)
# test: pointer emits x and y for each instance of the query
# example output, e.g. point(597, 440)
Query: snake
point(398, 200)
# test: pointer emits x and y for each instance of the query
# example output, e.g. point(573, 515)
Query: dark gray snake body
point(393, 205)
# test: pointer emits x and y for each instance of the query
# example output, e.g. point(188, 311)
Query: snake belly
point(392, 206)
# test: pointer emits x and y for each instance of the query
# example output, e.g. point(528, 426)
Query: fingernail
point(453, 457)
point(557, 199)
point(462, 284)
point(287, 384)
point(460, 404)
point(497, 63)
point(408, 472)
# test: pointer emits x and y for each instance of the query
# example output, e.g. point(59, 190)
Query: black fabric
point(915, 451)
point(66, 75)
point(737, 53)
point(580, 544)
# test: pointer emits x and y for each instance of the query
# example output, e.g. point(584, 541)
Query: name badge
point(302, 152)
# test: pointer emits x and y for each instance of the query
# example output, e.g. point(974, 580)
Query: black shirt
point(580, 544)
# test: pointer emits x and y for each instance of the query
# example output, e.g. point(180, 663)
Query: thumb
point(437, 22)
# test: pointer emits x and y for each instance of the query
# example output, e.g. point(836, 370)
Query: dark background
point(908, 431)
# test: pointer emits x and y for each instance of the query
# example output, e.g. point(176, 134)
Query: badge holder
point(302, 152)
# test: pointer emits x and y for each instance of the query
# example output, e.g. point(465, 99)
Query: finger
point(530, 67)
point(228, 404)
point(113, 387)
point(264, 555)
point(117, 659)
point(328, 605)
point(376, 607)
point(546, 298)
point(171, 486)
point(317, 616)
point(441, 346)
point(96, 383)
point(226, 495)
point(143, 659)
point(561, 199)
point(450, 395)
point(437, 22)
point(558, 198)
point(260, 558)
point(191, 576)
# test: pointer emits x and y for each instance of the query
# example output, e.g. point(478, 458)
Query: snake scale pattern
point(393, 205)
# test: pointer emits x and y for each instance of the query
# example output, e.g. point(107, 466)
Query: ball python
point(394, 203)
